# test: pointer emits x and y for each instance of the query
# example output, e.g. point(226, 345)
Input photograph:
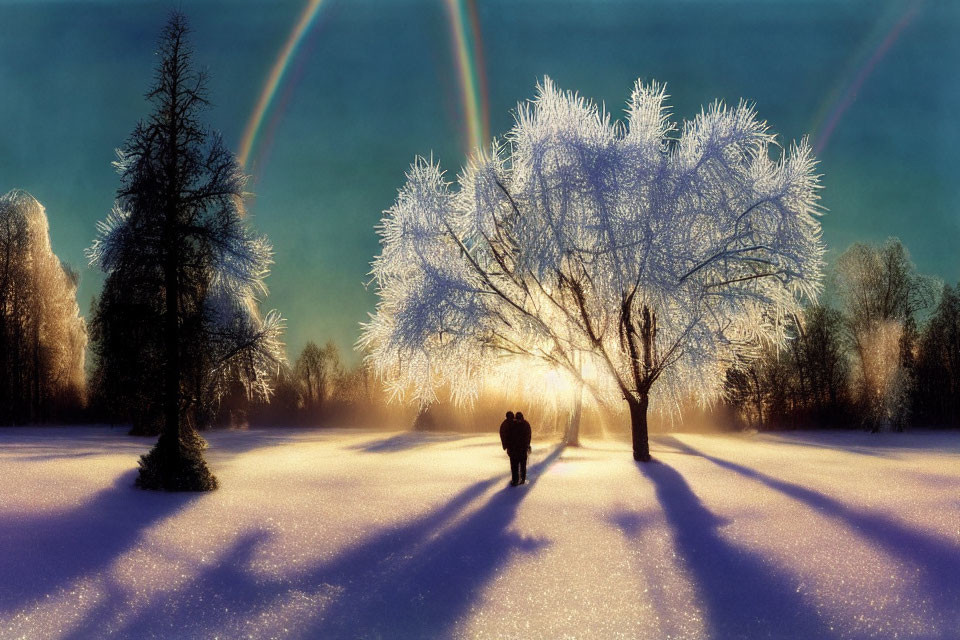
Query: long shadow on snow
point(205, 608)
point(236, 592)
point(939, 560)
point(43, 553)
point(743, 596)
point(415, 580)
point(425, 593)
point(406, 440)
point(881, 451)
point(366, 580)
point(47, 457)
point(233, 442)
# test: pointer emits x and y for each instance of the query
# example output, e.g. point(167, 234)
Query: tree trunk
point(757, 397)
point(37, 409)
point(171, 396)
point(571, 436)
point(638, 426)
point(423, 421)
point(6, 410)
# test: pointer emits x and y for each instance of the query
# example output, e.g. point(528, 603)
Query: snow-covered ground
point(357, 534)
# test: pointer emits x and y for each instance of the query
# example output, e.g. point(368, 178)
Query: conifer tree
point(178, 236)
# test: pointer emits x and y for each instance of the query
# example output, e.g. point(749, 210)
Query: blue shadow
point(744, 596)
point(427, 594)
point(415, 580)
point(939, 560)
point(405, 441)
point(45, 552)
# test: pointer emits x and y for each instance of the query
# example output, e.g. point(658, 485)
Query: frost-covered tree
point(177, 239)
point(638, 258)
point(42, 336)
point(880, 292)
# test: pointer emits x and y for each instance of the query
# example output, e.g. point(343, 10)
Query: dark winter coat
point(515, 436)
point(505, 432)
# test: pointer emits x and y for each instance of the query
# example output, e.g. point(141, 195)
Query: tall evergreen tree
point(178, 236)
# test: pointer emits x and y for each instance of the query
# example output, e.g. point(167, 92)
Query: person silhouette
point(517, 446)
point(505, 430)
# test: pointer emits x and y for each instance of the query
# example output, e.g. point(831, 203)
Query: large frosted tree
point(177, 247)
point(640, 259)
point(42, 336)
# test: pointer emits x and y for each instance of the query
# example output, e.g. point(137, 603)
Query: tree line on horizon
point(880, 351)
point(541, 259)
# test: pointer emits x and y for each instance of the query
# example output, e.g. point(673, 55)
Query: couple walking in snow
point(515, 438)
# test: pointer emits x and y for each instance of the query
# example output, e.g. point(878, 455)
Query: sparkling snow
point(332, 534)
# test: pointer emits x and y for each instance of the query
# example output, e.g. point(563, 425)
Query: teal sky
point(375, 84)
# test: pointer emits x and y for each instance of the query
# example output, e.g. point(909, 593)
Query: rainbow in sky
point(278, 71)
point(871, 52)
point(468, 54)
point(468, 50)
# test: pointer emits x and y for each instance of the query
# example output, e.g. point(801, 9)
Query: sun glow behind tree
point(653, 254)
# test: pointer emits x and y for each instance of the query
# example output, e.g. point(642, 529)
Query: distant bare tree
point(822, 365)
point(318, 370)
point(937, 364)
point(803, 384)
point(746, 390)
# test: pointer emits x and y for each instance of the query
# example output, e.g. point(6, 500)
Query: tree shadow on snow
point(43, 553)
point(425, 593)
point(630, 523)
point(938, 559)
point(229, 583)
point(806, 441)
point(205, 608)
point(414, 580)
point(233, 442)
point(47, 457)
point(742, 594)
point(404, 441)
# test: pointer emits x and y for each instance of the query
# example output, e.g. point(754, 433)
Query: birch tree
point(638, 258)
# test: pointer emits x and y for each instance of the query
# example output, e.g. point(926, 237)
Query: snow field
point(328, 534)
